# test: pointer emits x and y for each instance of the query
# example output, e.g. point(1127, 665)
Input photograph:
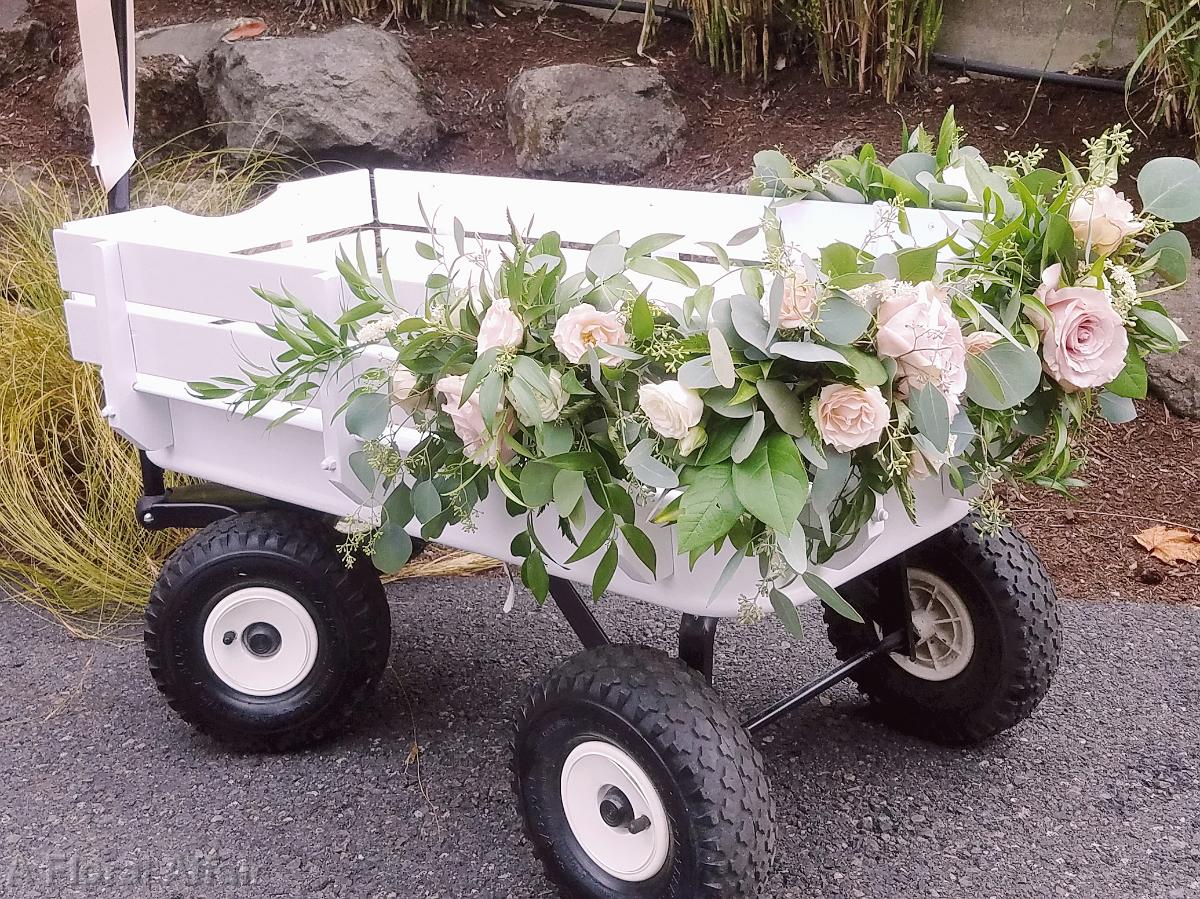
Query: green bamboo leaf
point(605, 570)
point(642, 546)
point(831, 597)
point(785, 611)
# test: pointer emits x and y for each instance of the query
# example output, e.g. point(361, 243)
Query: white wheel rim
point(945, 636)
point(590, 771)
point(293, 649)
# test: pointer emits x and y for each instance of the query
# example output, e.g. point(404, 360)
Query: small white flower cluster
point(1122, 288)
point(377, 329)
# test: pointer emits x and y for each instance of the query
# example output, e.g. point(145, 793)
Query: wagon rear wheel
point(635, 780)
point(260, 636)
point(986, 625)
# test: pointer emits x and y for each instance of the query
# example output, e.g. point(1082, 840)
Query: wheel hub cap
point(945, 636)
point(614, 811)
point(260, 641)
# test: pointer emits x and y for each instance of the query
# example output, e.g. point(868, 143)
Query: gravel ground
point(103, 792)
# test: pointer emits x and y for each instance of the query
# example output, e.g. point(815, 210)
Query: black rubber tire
point(1014, 611)
point(703, 765)
point(294, 553)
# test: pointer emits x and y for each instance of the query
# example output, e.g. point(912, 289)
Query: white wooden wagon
point(633, 777)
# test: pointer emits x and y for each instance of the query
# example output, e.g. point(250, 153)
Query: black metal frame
point(697, 636)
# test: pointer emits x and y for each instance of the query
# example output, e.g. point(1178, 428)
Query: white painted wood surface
point(158, 298)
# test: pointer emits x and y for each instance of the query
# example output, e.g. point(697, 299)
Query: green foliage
point(1169, 62)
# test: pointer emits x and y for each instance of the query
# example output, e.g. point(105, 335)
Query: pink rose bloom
point(978, 341)
point(1102, 219)
point(800, 303)
point(1086, 342)
point(585, 327)
point(918, 329)
point(500, 327)
point(479, 445)
point(849, 417)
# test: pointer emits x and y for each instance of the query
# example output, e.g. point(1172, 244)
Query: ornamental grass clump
point(768, 413)
point(68, 483)
point(1170, 62)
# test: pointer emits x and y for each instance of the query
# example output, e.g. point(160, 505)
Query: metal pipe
point(813, 688)
point(578, 615)
point(663, 12)
point(1024, 73)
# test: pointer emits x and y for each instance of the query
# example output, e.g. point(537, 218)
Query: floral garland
point(779, 401)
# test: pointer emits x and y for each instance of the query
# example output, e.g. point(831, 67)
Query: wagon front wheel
point(635, 780)
point(987, 637)
point(259, 634)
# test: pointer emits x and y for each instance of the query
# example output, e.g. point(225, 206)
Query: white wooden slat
point(186, 347)
point(581, 213)
point(83, 328)
point(144, 421)
point(282, 463)
point(295, 209)
point(810, 225)
point(212, 284)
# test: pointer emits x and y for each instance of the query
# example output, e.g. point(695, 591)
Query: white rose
point(849, 417)
point(500, 327)
point(585, 327)
point(549, 406)
point(691, 441)
point(800, 304)
point(672, 408)
point(405, 396)
point(1103, 219)
point(480, 446)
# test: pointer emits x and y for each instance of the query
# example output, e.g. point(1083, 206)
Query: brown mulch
point(1141, 474)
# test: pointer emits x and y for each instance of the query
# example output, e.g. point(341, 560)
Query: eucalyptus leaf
point(841, 321)
point(790, 411)
point(1003, 375)
point(606, 260)
point(646, 468)
point(1170, 188)
point(748, 321)
point(1174, 255)
point(931, 415)
point(806, 351)
point(747, 440)
point(567, 490)
point(367, 415)
point(698, 373)
point(392, 548)
point(427, 502)
point(722, 361)
point(1117, 409)
point(537, 483)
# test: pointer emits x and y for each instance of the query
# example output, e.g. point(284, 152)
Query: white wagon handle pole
point(105, 37)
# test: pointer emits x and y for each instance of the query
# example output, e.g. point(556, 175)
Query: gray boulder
point(25, 42)
point(591, 121)
point(1175, 378)
point(347, 93)
point(168, 96)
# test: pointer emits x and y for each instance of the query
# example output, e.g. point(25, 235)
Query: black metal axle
point(891, 643)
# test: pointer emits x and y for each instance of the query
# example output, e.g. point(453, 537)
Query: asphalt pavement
point(104, 793)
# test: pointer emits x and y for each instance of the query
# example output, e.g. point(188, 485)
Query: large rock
point(591, 121)
point(169, 107)
point(347, 93)
point(25, 42)
point(1175, 378)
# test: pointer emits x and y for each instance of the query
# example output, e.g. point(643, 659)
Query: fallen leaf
point(246, 28)
point(1170, 545)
